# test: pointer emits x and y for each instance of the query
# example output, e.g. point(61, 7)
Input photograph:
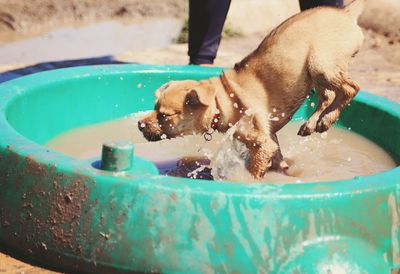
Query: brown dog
point(310, 49)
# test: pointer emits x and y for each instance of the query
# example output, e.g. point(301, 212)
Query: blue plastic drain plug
point(117, 156)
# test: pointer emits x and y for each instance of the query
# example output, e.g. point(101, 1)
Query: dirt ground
point(26, 18)
point(376, 68)
point(9, 265)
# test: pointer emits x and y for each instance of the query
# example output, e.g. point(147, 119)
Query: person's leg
point(309, 4)
point(206, 20)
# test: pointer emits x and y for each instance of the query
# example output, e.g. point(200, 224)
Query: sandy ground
point(376, 68)
point(10, 265)
point(26, 18)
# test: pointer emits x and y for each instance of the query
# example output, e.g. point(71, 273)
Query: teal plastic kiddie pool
point(63, 213)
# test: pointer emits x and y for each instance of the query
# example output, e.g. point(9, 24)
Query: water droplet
point(142, 125)
point(99, 78)
point(312, 104)
point(163, 137)
point(248, 112)
point(121, 78)
point(235, 105)
point(139, 85)
point(274, 110)
point(231, 95)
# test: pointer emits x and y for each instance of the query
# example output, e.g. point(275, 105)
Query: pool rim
point(13, 141)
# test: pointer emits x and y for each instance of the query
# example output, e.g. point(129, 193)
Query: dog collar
point(215, 121)
point(214, 126)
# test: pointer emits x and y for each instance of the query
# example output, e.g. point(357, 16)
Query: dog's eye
point(161, 116)
point(165, 117)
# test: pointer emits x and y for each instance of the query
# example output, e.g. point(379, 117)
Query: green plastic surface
point(117, 156)
point(63, 213)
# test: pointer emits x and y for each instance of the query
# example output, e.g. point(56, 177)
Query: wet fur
point(309, 50)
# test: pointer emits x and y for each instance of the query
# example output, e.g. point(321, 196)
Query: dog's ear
point(199, 97)
point(161, 89)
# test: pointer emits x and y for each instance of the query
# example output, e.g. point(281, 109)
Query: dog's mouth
point(152, 137)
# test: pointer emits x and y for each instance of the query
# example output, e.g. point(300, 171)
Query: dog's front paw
point(305, 130)
point(283, 167)
point(278, 164)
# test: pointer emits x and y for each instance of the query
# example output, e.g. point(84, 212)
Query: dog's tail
point(355, 8)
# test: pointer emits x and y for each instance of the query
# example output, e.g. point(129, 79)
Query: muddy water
point(337, 154)
point(106, 38)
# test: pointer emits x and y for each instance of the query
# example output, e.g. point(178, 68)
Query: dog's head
point(182, 108)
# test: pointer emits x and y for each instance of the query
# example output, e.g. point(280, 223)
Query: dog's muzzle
point(148, 133)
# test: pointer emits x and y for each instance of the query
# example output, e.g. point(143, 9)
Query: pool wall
point(62, 213)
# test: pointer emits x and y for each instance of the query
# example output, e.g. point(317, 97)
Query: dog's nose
point(141, 125)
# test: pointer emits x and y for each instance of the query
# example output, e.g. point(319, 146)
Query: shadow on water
point(101, 60)
point(187, 167)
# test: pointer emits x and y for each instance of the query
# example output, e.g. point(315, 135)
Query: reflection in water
point(188, 167)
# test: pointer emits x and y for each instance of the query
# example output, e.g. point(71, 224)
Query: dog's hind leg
point(329, 76)
point(325, 98)
point(344, 94)
point(325, 76)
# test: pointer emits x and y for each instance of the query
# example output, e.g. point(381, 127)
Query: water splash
point(230, 159)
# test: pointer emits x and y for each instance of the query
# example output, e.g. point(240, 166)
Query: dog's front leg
point(254, 131)
point(264, 151)
point(260, 161)
point(278, 163)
